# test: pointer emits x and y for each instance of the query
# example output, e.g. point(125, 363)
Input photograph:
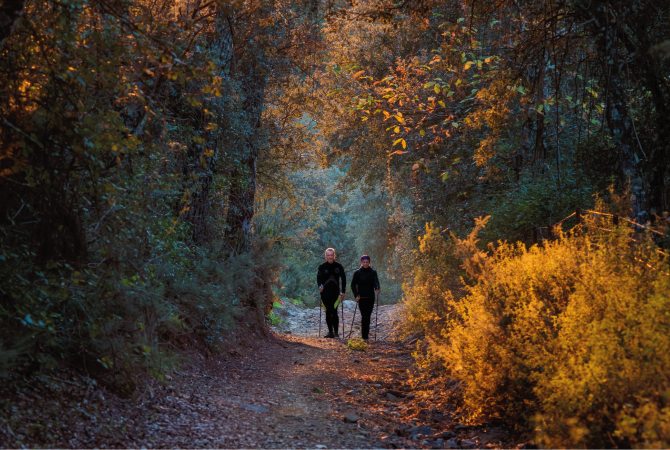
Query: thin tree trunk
point(539, 119)
point(649, 74)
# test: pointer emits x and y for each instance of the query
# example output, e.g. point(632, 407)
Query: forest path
point(285, 391)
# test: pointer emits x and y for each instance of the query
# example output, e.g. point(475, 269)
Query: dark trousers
point(332, 319)
point(366, 305)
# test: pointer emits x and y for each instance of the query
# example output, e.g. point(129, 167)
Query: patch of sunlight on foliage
point(357, 344)
point(274, 319)
point(277, 304)
point(571, 338)
point(424, 358)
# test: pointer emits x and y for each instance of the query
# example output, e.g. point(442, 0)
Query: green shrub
point(357, 344)
point(274, 319)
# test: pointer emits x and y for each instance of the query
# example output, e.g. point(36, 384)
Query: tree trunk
point(616, 111)
point(243, 183)
point(540, 151)
point(646, 69)
point(200, 210)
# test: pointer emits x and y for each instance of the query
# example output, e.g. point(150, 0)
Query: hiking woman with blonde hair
point(328, 279)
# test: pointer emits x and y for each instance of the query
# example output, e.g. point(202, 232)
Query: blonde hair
point(330, 250)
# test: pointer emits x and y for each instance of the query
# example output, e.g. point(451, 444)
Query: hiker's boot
point(329, 335)
point(337, 336)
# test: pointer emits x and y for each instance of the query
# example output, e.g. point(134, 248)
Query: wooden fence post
point(615, 218)
point(534, 235)
point(550, 232)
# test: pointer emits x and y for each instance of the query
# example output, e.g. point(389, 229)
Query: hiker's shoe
point(329, 336)
point(337, 336)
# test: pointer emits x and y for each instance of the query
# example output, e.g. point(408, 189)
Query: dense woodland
point(172, 167)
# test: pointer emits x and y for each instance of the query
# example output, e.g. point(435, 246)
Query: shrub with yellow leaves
point(571, 338)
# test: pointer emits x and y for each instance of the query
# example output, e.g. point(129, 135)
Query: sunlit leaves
point(402, 142)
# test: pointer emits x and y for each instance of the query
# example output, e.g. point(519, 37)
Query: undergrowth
point(121, 331)
point(570, 339)
point(357, 344)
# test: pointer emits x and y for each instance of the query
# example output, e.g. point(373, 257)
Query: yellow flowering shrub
point(571, 338)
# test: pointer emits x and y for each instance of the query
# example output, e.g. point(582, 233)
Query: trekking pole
point(351, 330)
point(320, 308)
point(377, 317)
point(342, 301)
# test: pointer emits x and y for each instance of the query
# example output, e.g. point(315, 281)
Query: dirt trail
point(289, 391)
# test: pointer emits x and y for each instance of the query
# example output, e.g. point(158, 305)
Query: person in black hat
point(365, 285)
point(328, 279)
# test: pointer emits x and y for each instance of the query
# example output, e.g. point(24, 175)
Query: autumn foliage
point(569, 338)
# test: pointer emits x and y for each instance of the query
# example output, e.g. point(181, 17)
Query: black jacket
point(364, 283)
point(329, 276)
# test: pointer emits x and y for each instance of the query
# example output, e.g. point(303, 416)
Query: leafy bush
point(438, 272)
point(274, 319)
point(357, 344)
point(571, 338)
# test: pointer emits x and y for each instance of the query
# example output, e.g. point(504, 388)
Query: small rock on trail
point(351, 418)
